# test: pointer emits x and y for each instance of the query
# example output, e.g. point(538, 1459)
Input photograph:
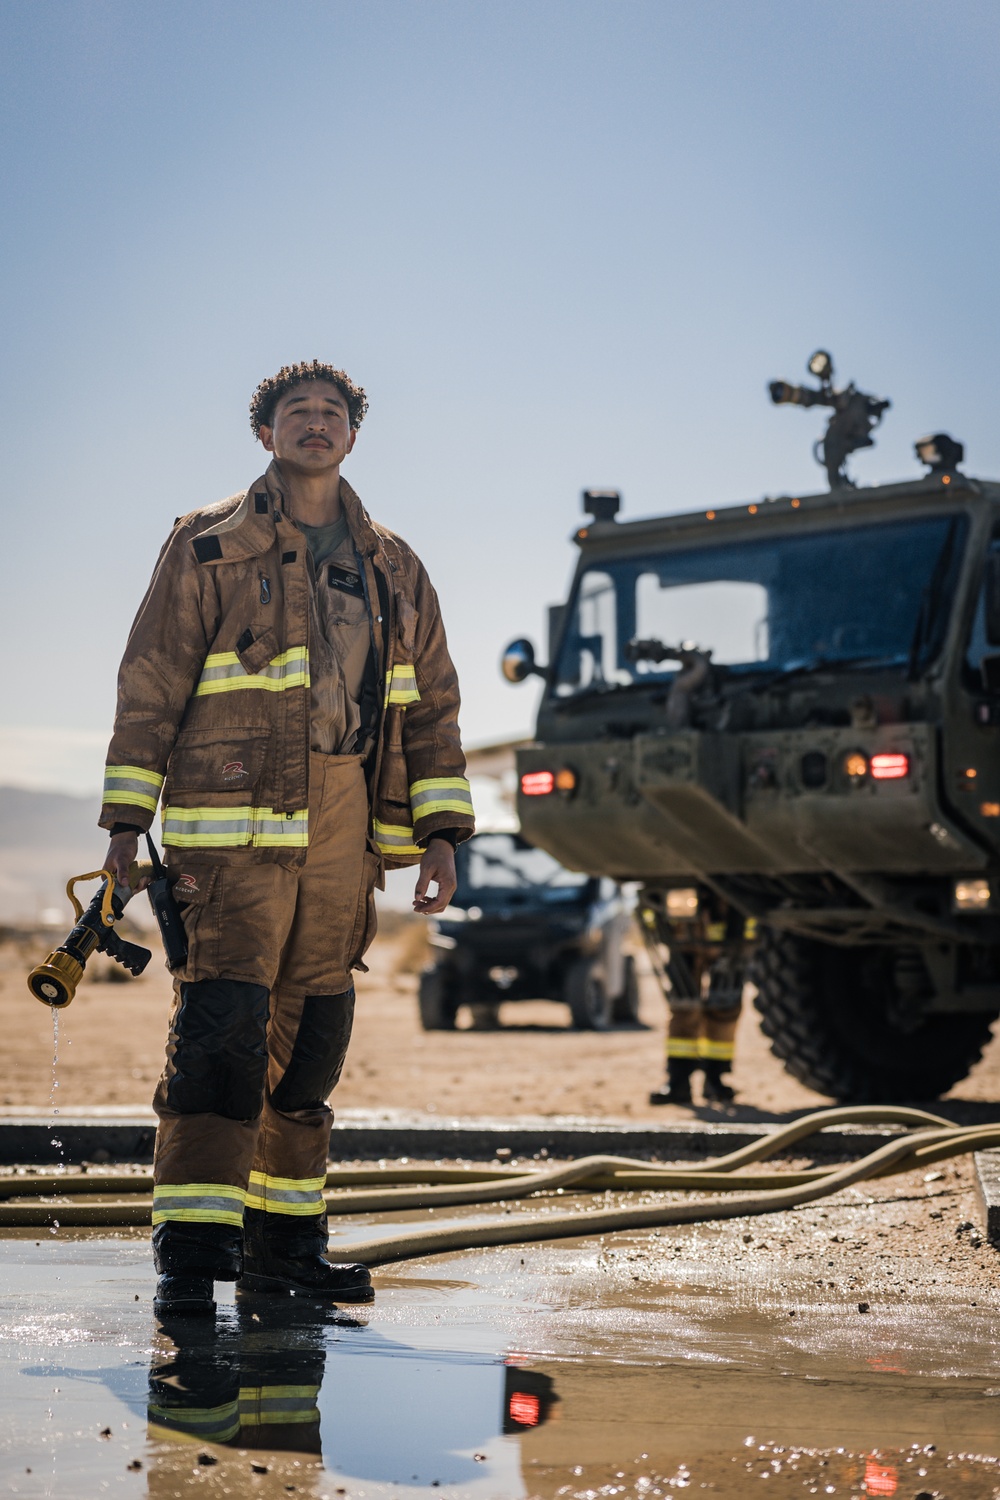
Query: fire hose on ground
point(390, 1189)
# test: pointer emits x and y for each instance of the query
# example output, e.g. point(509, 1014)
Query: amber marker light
point(796, 504)
point(856, 765)
point(889, 766)
point(752, 509)
point(989, 809)
point(946, 479)
point(710, 515)
point(537, 783)
point(566, 781)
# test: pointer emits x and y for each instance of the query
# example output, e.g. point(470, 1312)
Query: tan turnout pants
point(262, 1017)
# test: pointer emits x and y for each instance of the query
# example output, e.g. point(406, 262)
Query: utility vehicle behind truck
point(520, 927)
point(782, 718)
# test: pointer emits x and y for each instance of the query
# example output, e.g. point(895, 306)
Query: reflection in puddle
point(505, 1384)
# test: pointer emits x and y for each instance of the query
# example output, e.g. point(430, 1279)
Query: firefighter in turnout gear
point(704, 991)
point(287, 688)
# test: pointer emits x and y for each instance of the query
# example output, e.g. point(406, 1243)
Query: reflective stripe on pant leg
point(198, 1203)
point(683, 1046)
point(295, 1196)
point(208, 1424)
point(269, 1404)
point(712, 1051)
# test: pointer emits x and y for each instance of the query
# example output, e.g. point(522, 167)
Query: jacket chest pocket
point(217, 761)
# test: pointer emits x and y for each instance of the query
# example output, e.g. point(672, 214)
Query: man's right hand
point(122, 852)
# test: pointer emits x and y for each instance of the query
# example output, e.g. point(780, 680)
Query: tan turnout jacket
point(214, 694)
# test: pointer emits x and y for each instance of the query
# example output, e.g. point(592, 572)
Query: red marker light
point(880, 1479)
point(889, 767)
point(537, 783)
point(524, 1408)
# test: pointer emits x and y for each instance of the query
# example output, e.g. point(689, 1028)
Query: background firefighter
point(287, 687)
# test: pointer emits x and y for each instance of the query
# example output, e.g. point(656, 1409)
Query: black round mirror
point(518, 661)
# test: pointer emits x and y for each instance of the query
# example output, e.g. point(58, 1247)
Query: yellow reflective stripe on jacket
point(133, 785)
point(395, 840)
point(286, 1195)
point(209, 1424)
point(716, 1051)
point(223, 672)
point(440, 794)
point(198, 1202)
point(682, 1046)
point(402, 688)
point(234, 828)
point(278, 1403)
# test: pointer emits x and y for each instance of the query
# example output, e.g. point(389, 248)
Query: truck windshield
point(496, 867)
point(876, 594)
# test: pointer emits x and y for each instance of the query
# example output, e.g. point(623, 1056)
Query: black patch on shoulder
point(287, 557)
point(346, 581)
point(245, 640)
point(260, 504)
point(207, 548)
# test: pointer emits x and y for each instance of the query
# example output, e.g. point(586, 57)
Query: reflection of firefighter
point(697, 951)
point(250, 1396)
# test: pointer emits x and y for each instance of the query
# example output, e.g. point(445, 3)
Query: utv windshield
point(876, 594)
point(494, 868)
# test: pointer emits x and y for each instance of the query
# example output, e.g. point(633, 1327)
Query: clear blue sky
point(561, 244)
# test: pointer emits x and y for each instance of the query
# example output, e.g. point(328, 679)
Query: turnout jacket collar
point(214, 690)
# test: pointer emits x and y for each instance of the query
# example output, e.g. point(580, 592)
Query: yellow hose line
point(768, 1191)
point(645, 1173)
point(521, 1230)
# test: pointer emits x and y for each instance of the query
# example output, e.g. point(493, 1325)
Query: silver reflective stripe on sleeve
point(440, 794)
point(132, 785)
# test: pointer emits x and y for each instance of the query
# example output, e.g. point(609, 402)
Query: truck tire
point(437, 999)
point(626, 1006)
point(827, 1013)
point(589, 1005)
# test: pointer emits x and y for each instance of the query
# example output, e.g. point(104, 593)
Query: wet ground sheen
point(727, 1359)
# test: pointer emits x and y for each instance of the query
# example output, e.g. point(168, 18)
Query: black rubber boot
point(714, 1089)
point(676, 1088)
point(184, 1297)
point(283, 1257)
point(189, 1257)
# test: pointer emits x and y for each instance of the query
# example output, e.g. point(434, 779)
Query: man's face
point(311, 429)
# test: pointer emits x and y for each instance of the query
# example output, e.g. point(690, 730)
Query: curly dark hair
point(267, 395)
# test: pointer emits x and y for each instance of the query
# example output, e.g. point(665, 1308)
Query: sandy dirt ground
point(111, 1050)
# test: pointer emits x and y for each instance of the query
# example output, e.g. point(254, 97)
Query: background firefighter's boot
point(189, 1258)
point(283, 1256)
point(676, 1087)
point(714, 1088)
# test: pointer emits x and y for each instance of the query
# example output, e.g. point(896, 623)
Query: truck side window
point(979, 646)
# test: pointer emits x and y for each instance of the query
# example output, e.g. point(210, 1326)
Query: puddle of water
point(495, 1375)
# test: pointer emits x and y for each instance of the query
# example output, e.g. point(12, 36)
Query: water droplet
point(54, 1227)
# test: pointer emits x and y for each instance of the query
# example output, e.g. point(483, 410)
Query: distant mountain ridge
point(28, 818)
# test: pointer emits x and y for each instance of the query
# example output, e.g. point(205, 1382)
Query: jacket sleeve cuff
point(450, 835)
point(139, 818)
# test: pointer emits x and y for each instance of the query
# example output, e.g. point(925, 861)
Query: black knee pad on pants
point(220, 1060)
point(317, 1059)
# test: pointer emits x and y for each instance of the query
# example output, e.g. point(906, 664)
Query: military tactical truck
point(782, 718)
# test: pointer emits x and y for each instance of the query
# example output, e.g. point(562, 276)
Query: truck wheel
point(828, 1013)
point(584, 993)
point(626, 1005)
point(438, 1001)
